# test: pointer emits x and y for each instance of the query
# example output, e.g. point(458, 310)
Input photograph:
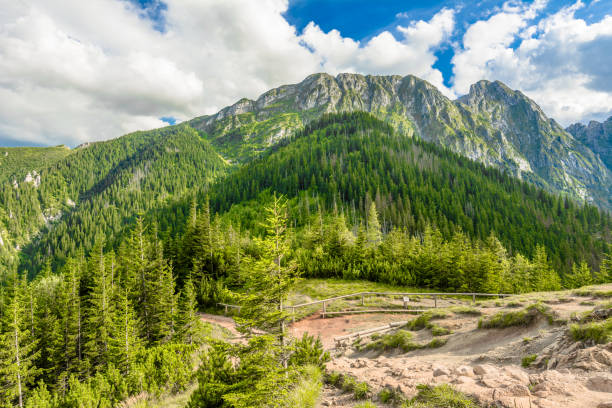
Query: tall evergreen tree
point(269, 278)
point(18, 350)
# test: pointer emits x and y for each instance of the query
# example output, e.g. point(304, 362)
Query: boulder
point(600, 382)
point(440, 370)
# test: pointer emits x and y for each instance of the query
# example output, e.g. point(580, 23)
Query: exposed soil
point(483, 363)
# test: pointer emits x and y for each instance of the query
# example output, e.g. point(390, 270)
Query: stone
point(484, 369)
point(518, 390)
point(464, 371)
point(600, 382)
point(517, 374)
point(605, 404)
point(440, 370)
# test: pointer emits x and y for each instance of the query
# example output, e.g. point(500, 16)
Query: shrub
point(307, 351)
point(401, 339)
point(435, 343)
point(334, 378)
point(440, 396)
point(367, 404)
point(361, 391)
point(524, 317)
point(527, 360)
point(467, 310)
point(597, 332)
point(390, 396)
point(348, 383)
point(439, 330)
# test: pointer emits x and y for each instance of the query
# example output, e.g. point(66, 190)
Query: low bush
point(440, 396)
point(527, 360)
point(524, 317)
point(361, 391)
point(390, 396)
point(596, 332)
point(401, 339)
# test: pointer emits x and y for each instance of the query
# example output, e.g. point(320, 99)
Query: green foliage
point(595, 332)
point(361, 391)
point(308, 351)
point(401, 339)
point(527, 360)
point(390, 396)
point(580, 276)
point(524, 317)
point(306, 393)
point(440, 396)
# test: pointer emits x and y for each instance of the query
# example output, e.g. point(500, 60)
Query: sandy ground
point(483, 363)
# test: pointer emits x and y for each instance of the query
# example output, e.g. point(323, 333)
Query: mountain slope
point(17, 162)
point(492, 124)
point(98, 190)
point(597, 136)
point(343, 162)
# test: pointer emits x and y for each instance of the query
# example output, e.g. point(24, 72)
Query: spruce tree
point(269, 278)
point(18, 350)
point(374, 234)
point(188, 318)
point(125, 343)
point(100, 310)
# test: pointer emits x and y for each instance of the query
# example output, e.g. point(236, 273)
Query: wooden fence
point(405, 296)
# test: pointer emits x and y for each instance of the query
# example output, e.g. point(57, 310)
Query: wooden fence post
point(473, 298)
point(435, 301)
point(324, 309)
point(362, 300)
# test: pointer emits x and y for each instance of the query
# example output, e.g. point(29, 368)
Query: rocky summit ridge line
point(492, 124)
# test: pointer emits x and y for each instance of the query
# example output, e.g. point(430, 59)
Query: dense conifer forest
point(101, 302)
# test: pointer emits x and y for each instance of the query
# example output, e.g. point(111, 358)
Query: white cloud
point(384, 54)
point(75, 71)
point(562, 62)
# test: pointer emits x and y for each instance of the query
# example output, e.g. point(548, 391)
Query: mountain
point(597, 136)
point(343, 162)
point(99, 189)
point(96, 191)
point(22, 164)
point(492, 124)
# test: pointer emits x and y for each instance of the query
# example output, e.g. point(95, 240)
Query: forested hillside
point(99, 190)
point(343, 163)
point(125, 240)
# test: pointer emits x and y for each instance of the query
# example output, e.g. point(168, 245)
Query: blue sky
point(141, 64)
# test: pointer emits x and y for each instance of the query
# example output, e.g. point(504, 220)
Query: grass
point(596, 332)
point(527, 360)
point(326, 288)
point(390, 396)
point(602, 294)
point(424, 319)
point(514, 303)
point(307, 391)
point(439, 330)
point(403, 340)
point(367, 404)
point(466, 310)
point(440, 396)
point(524, 317)
point(361, 391)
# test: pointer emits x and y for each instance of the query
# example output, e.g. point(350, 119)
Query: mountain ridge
point(491, 124)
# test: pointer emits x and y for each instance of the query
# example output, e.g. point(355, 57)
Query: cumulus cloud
point(413, 53)
point(560, 61)
point(76, 71)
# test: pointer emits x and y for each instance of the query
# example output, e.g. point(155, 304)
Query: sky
point(73, 71)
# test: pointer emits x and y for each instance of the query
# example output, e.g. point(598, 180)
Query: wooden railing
point(405, 296)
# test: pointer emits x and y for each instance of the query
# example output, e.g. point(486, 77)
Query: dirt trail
point(483, 363)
